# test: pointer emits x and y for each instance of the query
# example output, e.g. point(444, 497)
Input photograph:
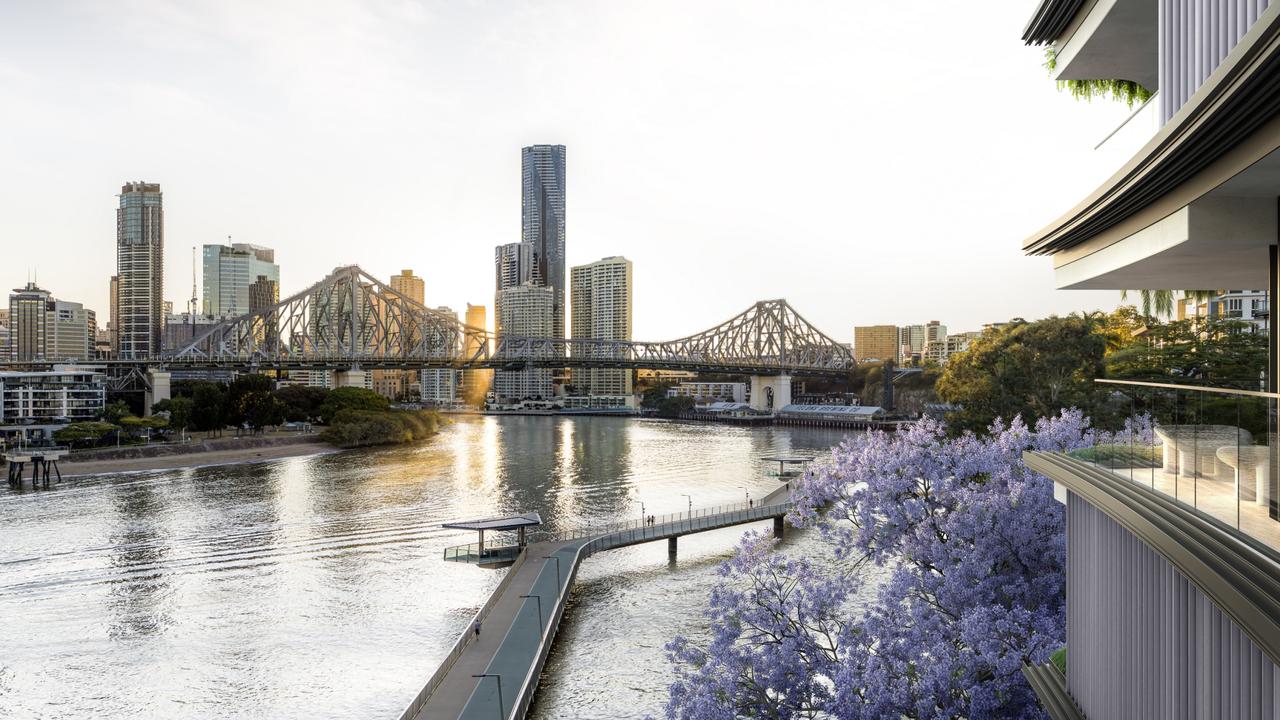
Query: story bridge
point(352, 320)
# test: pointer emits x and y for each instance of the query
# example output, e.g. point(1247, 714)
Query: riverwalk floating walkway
point(494, 674)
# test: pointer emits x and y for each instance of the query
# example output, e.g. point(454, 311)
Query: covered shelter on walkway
point(785, 460)
point(505, 554)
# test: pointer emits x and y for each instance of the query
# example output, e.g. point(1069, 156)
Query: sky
point(871, 162)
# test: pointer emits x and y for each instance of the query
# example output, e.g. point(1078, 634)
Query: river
point(313, 587)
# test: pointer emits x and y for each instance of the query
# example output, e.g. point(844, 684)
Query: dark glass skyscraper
point(140, 267)
point(542, 221)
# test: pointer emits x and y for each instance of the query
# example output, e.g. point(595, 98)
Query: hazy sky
point(872, 162)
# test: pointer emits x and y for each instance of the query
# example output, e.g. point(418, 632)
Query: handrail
point(1190, 388)
point(460, 645)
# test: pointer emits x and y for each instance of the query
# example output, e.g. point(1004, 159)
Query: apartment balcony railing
point(1213, 449)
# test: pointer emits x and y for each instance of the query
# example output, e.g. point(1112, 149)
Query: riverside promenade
point(495, 674)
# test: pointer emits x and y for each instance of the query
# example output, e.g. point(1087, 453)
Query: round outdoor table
point(1184, 445)
point(1250, 460)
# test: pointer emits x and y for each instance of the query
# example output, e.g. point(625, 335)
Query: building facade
point(72, 331)
point(29, 319)
point(542, 222)
point(1248, 306)
point(140, 269)
point(1173, 571)
point(34, 404)
point(525, 311)
point(600, 293)
point(441, 387)
point(231, 271)
point(180, 329)
point(876, 342)
point(940, 351)
point(42, 328)
point(705, 392)
point(476, 382)
point(915, 339)
point(113, 324)
point(512, 265)
point(409, 285)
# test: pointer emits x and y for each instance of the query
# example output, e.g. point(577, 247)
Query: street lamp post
point(501, 712)
point(690, 497)
point(541, 626)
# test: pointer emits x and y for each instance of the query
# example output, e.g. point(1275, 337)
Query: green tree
point(301, 402)
point(653, 396)
point(116, 410)
point(208, 402)
point(351, 398)
point(138, 426)
point(1203, 351)
point(250, 401)
point(83, 433)
point(180, 413)
point(264, 410)
point(1032, 369)
point(178, 410)
point(674, 406)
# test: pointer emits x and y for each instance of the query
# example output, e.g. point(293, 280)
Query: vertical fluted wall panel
point(1144, 643)
point(1195, 37)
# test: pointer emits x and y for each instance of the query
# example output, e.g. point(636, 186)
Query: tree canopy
point(251, 401)
point(351, 398)
point(975, 549)
point(1027, 370)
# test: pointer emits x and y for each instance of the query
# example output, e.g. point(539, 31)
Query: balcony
point(1211, 449)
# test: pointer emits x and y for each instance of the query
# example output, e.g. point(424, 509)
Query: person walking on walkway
point(476, 628)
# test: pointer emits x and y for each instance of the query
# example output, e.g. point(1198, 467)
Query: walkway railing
point(473, 553)
point(695, 519)
point(459, 645)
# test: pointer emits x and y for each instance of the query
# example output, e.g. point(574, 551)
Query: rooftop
point(850, 410)
point(510, 522)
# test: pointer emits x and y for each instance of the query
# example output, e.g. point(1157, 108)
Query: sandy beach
point(229, 456)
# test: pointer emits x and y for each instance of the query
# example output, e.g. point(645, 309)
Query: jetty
point(494, 673)
point(41, 459)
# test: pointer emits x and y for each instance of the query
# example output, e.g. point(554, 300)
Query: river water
point(313, 587)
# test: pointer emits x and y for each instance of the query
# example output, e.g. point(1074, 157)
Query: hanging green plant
point(1127, 90)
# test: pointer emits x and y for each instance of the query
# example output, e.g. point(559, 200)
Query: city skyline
point(441, 207)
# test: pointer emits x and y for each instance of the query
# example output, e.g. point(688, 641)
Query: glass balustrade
point(1210, 448)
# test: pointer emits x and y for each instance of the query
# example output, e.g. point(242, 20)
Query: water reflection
point(313, 587)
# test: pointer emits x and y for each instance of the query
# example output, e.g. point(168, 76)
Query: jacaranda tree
point(973, 545)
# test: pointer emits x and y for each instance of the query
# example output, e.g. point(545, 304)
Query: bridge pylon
point(770, 393)
point(157, 389)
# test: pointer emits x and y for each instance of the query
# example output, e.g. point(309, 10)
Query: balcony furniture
point(1185, 446)
point(1251, 460)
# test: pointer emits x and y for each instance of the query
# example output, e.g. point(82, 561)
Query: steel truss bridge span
point(352, 320)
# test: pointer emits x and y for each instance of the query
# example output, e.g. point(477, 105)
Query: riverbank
point(217, 451)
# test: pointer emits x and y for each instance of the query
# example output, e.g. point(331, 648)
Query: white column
point(770, 393)
point(159, 390)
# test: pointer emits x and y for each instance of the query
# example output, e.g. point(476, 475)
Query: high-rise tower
point(542, 221)
point(602, 311)
point(229, 273)
point(140, 267)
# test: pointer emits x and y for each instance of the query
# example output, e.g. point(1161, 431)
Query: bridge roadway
point(517, 630)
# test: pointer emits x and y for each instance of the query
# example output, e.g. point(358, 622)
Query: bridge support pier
point(671, 548)
point(779, 525)
point(770, 393)
point(348, 378)
point(159, 382)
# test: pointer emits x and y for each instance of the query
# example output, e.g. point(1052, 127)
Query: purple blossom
point(974, 546)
